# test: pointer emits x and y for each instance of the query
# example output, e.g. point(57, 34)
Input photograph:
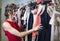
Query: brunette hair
point(9, 9)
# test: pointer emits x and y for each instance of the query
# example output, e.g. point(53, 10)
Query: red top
point(10, 36)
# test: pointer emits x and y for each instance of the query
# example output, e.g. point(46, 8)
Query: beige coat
point(55, 22)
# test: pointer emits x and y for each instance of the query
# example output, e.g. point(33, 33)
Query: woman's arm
point(7, 27)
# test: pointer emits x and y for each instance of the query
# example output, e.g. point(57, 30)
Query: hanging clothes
point(55, 16)
point(30, 25)
point(28, 22)
point(45, 33)
point(37, 20)
point(18, 15)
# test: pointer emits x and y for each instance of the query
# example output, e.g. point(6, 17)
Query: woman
point(10, 26)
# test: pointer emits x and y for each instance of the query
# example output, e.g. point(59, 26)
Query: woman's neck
point(10, 19)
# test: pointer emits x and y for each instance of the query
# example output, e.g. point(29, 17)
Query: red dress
point(10, 36)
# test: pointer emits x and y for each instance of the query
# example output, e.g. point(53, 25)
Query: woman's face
point(14, 16)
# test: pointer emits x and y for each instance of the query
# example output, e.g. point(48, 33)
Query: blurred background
point(0, 18)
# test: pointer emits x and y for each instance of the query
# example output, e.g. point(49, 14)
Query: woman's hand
point(37, 28)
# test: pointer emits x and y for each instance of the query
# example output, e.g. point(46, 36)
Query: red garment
point(10, 36)
point(39, 1)
point(37, 22)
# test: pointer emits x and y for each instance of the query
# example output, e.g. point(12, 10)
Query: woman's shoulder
point(5, 25)
point(5, 22)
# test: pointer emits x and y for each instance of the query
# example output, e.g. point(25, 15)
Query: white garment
point(55, 17)
point(18, 15)
point(26, 17)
